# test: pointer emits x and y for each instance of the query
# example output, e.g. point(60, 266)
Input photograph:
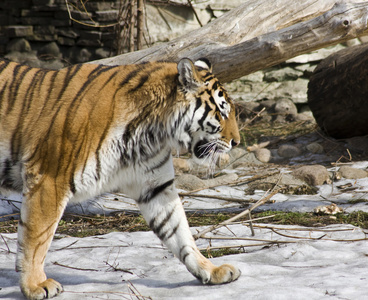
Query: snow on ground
point(326, 263)
point(317, 265)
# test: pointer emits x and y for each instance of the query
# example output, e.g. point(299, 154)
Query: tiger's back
point(73, 134)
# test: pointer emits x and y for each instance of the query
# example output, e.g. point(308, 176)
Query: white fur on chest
point(130, 180)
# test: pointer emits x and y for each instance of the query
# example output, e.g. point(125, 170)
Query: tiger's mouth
point(205, 148)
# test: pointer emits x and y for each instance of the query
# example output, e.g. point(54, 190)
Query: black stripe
point(102, 138)
point(198, 104)
point(208, 76)
point(144, 78)
point(74, 105)
point(130, 76)
point(7, 181)
point(14, 86)
point(91, 77)
point(72, 187)
point(181, 257)
point(32, 87)
point(148, 196)
point(142, 81)
point(112, 76)
point(4, 65)
point(157, 229)
point(180, 117)
point(172, 232)
point(16, 138)
point(206, 112)
point(161, 163)
point(71, 72)
point(212, 100)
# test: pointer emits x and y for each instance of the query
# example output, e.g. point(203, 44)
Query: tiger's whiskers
point(212, 155)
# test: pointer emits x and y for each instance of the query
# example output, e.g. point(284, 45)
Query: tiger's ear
point(188, 76)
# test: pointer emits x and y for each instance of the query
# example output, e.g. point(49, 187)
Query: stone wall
point(45, 29)
point(50, 34)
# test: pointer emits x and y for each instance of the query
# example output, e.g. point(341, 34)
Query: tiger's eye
point(221, 94)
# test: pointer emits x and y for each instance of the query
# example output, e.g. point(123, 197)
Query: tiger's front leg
point(164, 213)
point(39, 218)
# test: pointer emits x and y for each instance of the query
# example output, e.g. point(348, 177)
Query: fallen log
point(259, 34)
point(338, 93)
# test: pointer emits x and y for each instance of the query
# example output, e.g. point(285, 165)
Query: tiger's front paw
point(47, 289)
point(224, 274)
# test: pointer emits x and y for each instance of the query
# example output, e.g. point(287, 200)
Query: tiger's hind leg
point(165, 214)
point(40, 215)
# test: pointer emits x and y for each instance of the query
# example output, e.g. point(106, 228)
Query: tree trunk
point(338, 93)
point(259, 34)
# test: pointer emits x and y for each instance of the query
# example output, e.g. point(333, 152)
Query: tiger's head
point(213, 128)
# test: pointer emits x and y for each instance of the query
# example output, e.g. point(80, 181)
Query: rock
point(253, 77)
point(50, 50)
point(263, 154)
point(78, 55)
point(315, 148)
point(28, 58)
point(358, 143)
point(352, 173)
point(107, 15)
point(268, 104)
point(275, 157)
point(237, 153)
point(189, 182)
point(296, 90)
point(288, 151)
point(315, 56)
point(284, 108)
point(282, 75)
point(305, 116)
point(313, 175)
point(54, 64)
point(19, 45)
point(102, 53)
point(221, 180)
point(247, 160)
point(240, 157)
point(223, 160)
point(289, 183)
point(181, 165)
point(19, 31)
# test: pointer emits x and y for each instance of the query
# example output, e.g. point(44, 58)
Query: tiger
point(72, 134)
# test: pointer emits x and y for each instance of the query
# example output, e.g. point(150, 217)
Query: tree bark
point(338, 93)
point(259, 34)
point(140, 23)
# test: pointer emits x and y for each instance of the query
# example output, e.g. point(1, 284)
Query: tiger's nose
point(234, 143)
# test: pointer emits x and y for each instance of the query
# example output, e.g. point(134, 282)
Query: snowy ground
point(278, 263)
point(326, 263)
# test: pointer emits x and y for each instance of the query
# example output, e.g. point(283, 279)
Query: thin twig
point(6, 244)
point(302, 229)
point(244, 245)
point(251, 224)
point(195, 13)
point(74, 268)
point(245, 212)
point(253, 178)
point(230, 199)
